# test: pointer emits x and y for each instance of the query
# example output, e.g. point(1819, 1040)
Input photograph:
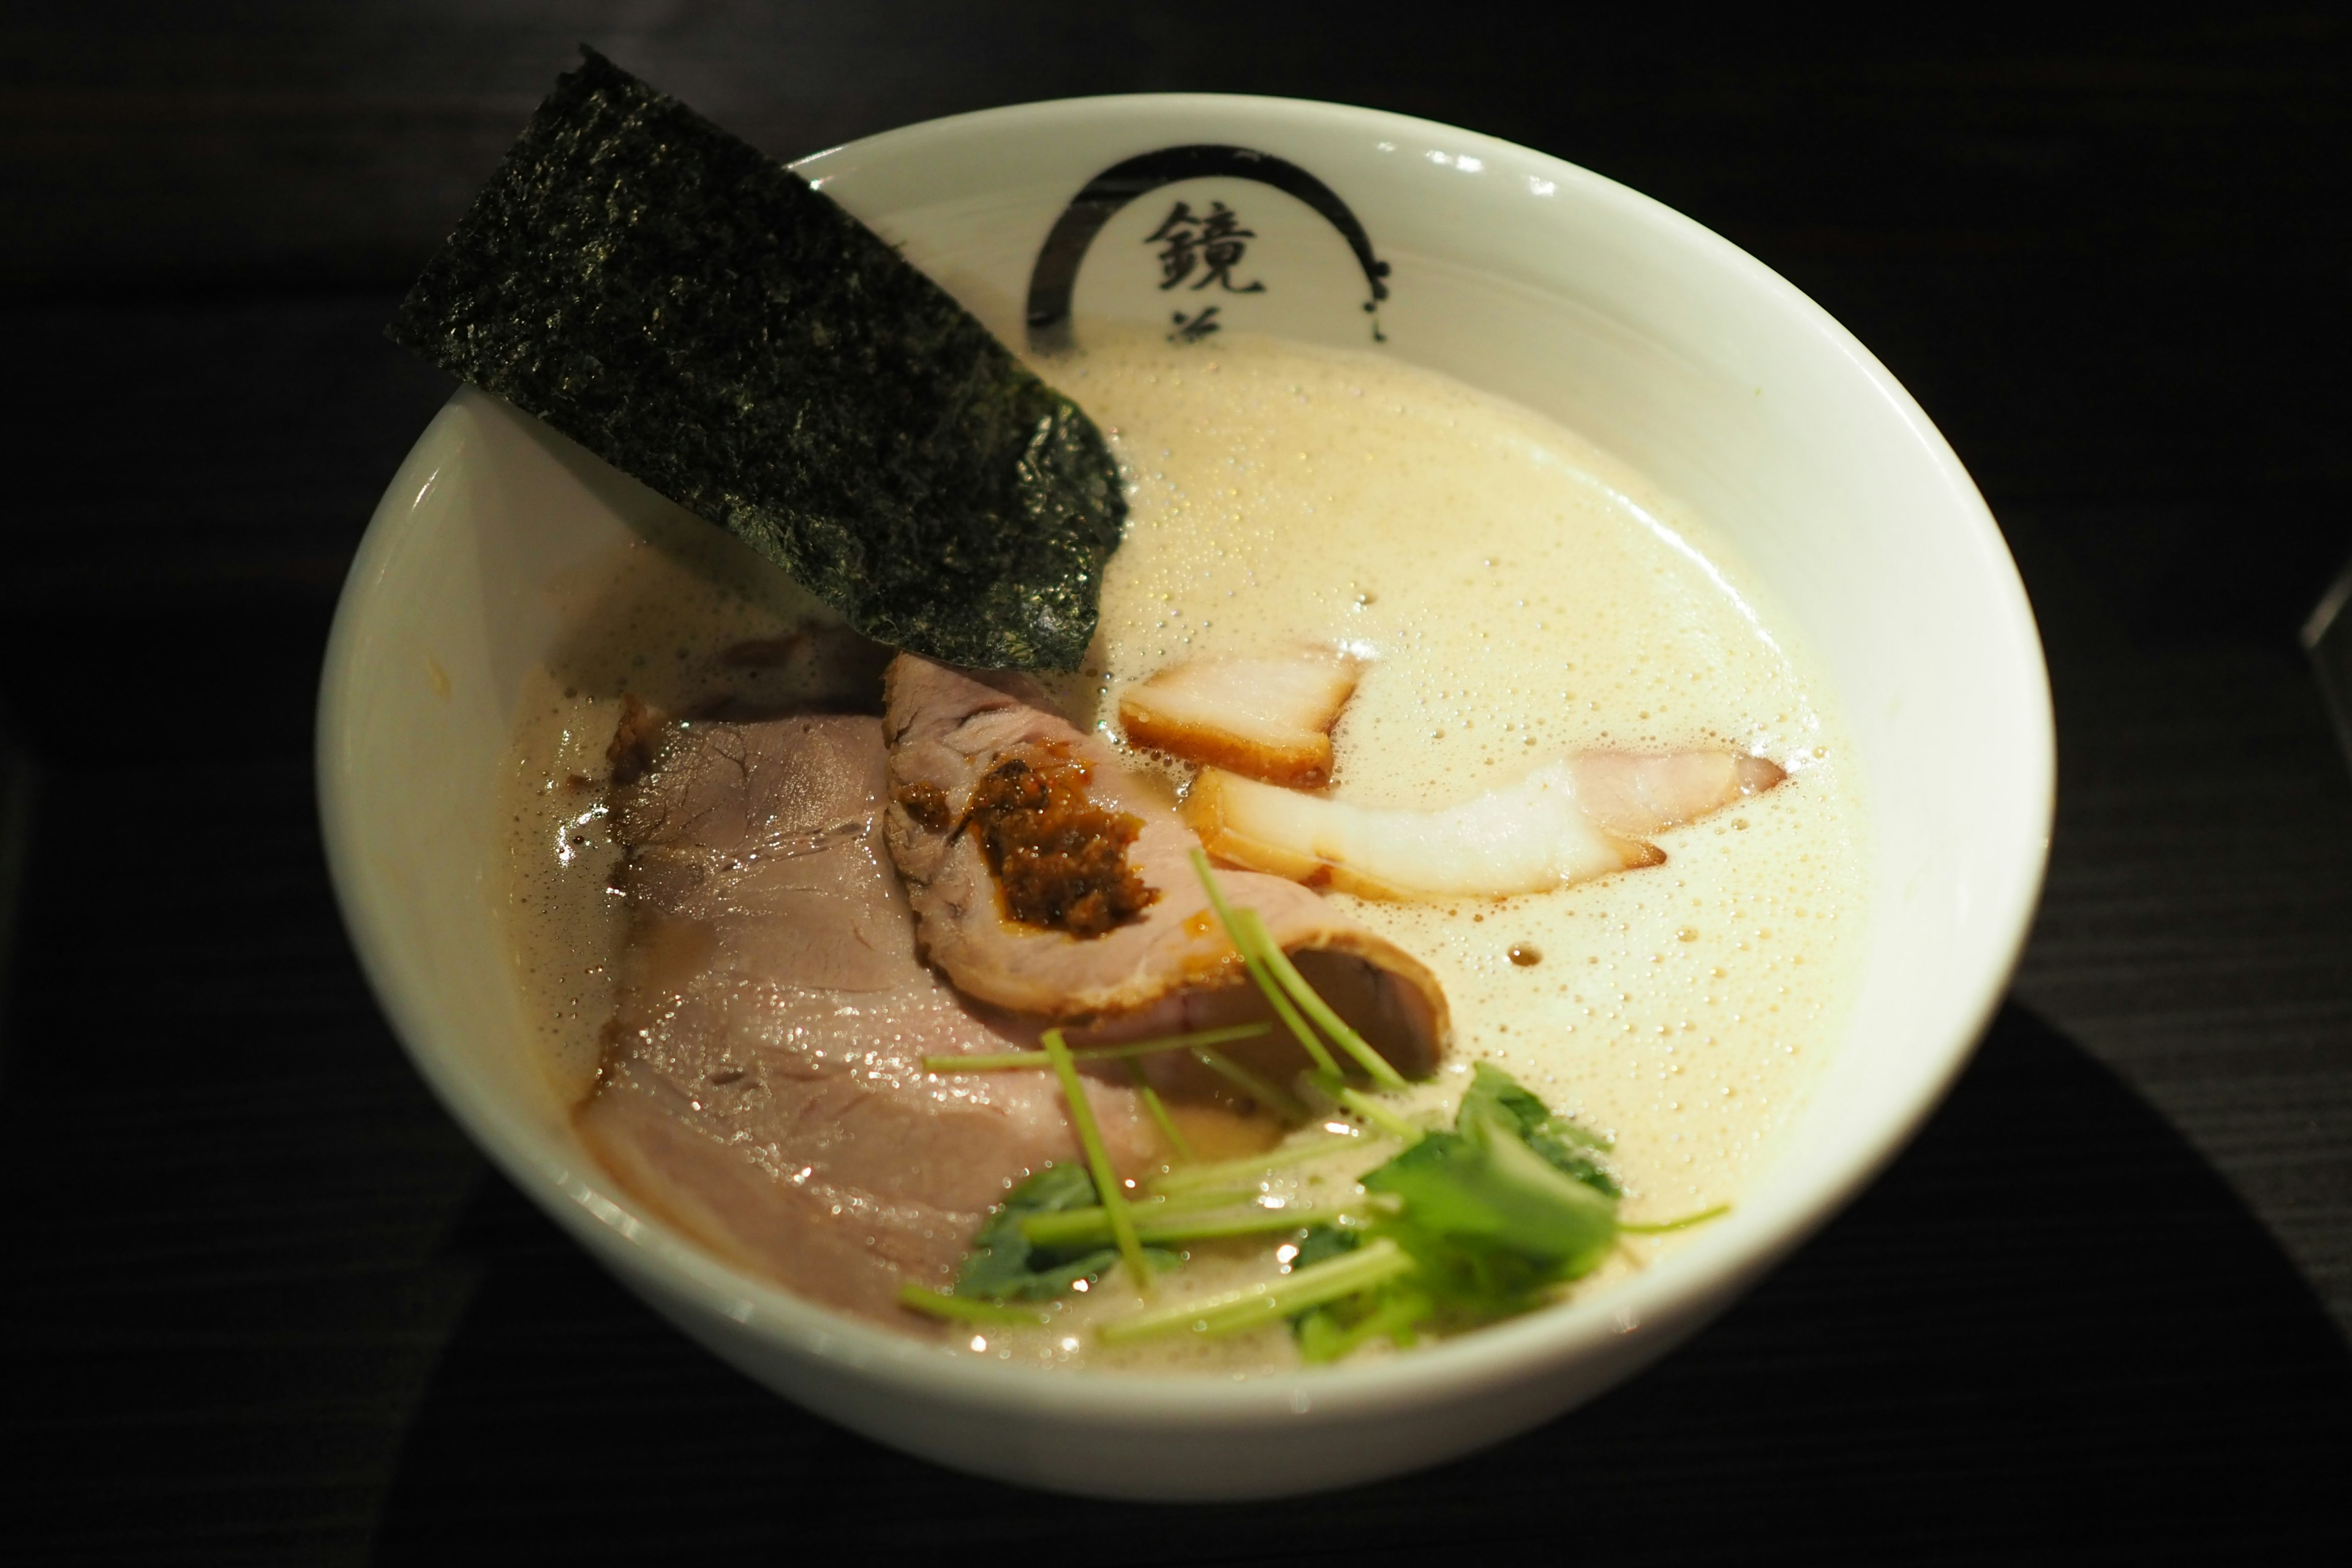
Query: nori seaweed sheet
point(701, 318)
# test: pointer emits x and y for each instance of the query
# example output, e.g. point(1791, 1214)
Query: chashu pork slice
point(1581, 817)
point(1169, 966)
point(1266, 718)
point(765, 1086)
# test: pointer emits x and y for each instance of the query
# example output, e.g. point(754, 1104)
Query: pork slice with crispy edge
point(1267, 718)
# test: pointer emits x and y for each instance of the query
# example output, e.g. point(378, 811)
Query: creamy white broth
point(1519, 595)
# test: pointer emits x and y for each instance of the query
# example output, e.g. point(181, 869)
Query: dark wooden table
point(261, 1301)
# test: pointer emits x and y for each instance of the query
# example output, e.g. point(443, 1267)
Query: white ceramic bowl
point(1508, 269)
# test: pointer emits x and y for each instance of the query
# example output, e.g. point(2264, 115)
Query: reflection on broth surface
point(1511, 597)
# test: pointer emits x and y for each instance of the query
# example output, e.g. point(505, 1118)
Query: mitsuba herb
point(1395, 1310)
point(1493, 1214)
point(1569, 1148)
point(1489, 1197)
point(1004, 1266)
point(701, 318)
point(1463, 1228)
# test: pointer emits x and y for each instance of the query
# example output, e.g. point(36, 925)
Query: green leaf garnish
point(1005, 1265)
point(1495, 1095)
point(1487, 1220)
point(1462, 1228)
point(1495, 1194)
point(1395, 1310)
point(1323, 1242)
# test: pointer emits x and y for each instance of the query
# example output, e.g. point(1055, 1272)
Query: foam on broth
point(1519, 595)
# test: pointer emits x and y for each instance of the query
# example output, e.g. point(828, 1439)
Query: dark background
point(259, 1299)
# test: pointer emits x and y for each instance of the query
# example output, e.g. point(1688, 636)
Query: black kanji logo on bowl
point(1198, 251)
point(1212, 243)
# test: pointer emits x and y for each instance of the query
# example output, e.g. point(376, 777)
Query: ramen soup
point(1503, 595)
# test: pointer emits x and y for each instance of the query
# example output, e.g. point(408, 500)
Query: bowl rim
point(1670, 1298)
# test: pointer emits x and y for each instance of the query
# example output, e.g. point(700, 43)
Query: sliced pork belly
point(1567, 823)
point(1636, 794)
point(765, 1086)
point(1168, 965)
point(1266, 718)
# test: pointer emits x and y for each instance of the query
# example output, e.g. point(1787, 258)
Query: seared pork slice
point(1567, 823)
point(1170, 964)
point(1637, 793)
point(764, 1088)
point(1266, 718)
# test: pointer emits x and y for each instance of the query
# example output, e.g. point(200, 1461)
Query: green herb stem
point(1241, 1222)
point(1106, 1187)
point(1395, 1320)
point(1253, 960)
point(1060, 1227)
point(1376, 1263)
point(1662, 1227)
point(1311, 1001)
point(1005, 1061)
point(1193, 1200)
point(1158, 1110)
point(1251, 1168)
point(1086, 1227)
point(1370, 1109)
point(1250, 1083)
point(964, 1309)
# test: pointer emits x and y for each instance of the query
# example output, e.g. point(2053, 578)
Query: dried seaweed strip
point(701, 318)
